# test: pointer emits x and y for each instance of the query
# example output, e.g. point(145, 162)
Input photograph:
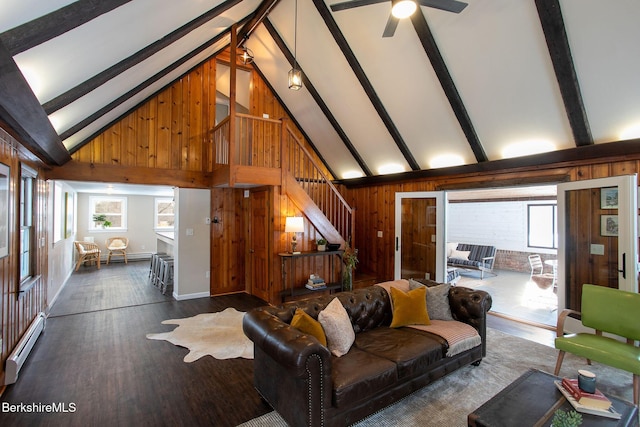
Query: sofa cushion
point(307, 324)
point(438, 305)
point(359, 374)
point(464, 255)
point(411, 351)
point(337, 327)
point(409, 308)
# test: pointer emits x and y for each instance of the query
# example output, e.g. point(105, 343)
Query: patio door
point(420, 235)
point(598, 236)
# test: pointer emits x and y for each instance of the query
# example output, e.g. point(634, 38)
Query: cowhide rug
point(216, 334)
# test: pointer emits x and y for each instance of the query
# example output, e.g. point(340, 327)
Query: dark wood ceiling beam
point(448, 86)
point(259, 16)
point(552, 161)
point(142, 86)
point(21, 110)
point(331, 24)
point(101, 78)
point(318, 99)
point(555, 34)
point(51, 25)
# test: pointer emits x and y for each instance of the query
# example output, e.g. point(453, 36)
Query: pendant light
point(246, 56)
point(295, 75)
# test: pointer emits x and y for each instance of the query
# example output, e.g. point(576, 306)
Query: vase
point(347, 279)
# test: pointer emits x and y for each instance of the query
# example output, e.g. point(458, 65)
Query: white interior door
point(598, 236)
point(420, 235)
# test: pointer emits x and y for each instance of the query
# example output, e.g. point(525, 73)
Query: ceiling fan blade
point(447, 5)
point(354, 3)
point(390, 28)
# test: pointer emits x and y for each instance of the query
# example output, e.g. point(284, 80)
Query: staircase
point(264, 151)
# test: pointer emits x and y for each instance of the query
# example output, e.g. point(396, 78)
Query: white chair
point(535, 263)
point(117, 246)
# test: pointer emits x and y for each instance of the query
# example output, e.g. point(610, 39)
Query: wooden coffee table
point(532, 399)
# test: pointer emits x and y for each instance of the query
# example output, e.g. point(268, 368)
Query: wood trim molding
point(77, 171)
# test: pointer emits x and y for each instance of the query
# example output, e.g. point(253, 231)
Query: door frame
point(441, 230)
point(627, 223)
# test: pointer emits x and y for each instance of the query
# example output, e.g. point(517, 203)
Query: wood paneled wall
point(167, 139)
point(18, 311)
point(374, 205)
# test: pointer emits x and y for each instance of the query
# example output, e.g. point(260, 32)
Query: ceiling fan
point(402, 9)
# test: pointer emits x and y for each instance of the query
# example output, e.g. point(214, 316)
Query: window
point(107, 213)
point(542, 226)
point(27, 232)
point(164, 214)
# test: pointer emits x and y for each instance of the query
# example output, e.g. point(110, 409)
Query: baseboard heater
point(19, 356)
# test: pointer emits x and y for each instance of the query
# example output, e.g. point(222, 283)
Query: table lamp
point(294, 224)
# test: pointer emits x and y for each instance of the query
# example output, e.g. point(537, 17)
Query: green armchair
point(605, 310)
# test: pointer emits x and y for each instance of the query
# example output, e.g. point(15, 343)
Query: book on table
point(595, 400)
point(609, 412)
point(315, 282)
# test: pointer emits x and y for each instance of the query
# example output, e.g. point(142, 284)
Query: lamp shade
point(294, 224)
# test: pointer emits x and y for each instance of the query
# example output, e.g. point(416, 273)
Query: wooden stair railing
point(299, 163)
point(268, 143)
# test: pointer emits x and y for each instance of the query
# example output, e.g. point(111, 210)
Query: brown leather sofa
point(307, 385)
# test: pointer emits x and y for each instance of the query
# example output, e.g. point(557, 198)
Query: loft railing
point(270, 143)
point(256, 142)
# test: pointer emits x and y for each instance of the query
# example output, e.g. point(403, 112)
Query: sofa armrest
point(282, 342)
point(471, 306)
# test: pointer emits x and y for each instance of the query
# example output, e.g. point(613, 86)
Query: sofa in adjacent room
point(335, 359)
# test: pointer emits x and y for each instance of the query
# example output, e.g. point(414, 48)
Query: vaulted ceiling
point(502, 78)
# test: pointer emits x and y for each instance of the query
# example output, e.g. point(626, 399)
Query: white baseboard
point(191, 296)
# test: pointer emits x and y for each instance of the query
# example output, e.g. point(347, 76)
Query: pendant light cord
point(295, 35)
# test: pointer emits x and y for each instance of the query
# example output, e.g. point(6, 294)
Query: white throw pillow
point(337, 327)
point(460, 254)
point(451, 246)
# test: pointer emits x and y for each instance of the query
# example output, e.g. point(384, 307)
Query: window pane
point(542, 226)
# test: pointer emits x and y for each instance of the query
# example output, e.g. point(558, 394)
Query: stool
point(154, 267)
point(166, 275)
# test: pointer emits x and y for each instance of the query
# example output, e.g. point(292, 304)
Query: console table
point(290, 289)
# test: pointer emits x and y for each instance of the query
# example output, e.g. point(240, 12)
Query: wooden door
point(259, 277)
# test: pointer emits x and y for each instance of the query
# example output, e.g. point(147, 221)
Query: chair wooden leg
point(559, 362)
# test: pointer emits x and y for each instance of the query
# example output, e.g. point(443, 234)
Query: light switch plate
point(189, 231)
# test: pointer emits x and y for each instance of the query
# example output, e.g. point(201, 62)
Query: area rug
point(448, 401)
point(215, 334)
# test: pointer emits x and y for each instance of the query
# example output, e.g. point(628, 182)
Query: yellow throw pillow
point(409, 308)
point(307, 324)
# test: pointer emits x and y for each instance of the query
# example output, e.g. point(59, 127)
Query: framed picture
point(608, 225)
point(4, 210)
point(609, 198)
point(68, 215)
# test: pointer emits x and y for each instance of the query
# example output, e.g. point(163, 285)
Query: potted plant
point(350, 259)
point(322, 244)
point(566, 419)
point(101, 219)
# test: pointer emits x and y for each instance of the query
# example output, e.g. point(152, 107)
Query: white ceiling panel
point(600, 34)
point(301, 104)
point(325, 66)
point(17, 12)
point(497, 55)
point(405, 81)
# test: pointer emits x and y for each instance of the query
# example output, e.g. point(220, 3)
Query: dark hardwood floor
point(94, 357)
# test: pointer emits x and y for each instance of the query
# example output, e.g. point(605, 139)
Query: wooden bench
point(605, 310)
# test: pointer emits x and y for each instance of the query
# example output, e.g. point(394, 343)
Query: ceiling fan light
point(403, 8)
